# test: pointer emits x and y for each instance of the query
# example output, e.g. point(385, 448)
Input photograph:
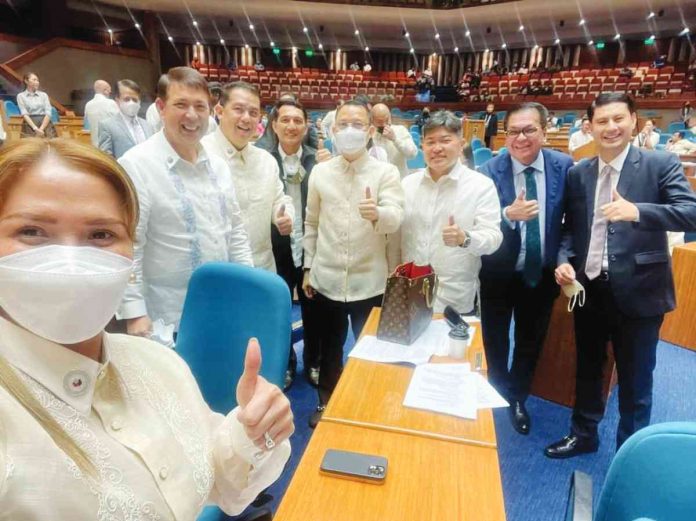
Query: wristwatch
point(467, 241)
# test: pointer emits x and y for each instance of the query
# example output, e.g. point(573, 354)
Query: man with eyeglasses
point(518, 279)
point(354, 201)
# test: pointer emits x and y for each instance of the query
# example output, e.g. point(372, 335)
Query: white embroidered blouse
point(160, 453)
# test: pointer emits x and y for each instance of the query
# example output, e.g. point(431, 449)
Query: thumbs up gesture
point(368, 207)
point(452, 234)
point(323, 154)
point(619, 209)
point(264, 411)
point(283, 221)
point(521, 209)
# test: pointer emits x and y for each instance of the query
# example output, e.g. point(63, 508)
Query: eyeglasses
point(356, 125)
point(528, 132)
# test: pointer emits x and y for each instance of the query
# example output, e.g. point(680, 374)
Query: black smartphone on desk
point(353, 465)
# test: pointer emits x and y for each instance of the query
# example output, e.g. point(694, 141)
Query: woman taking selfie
point(94, 425)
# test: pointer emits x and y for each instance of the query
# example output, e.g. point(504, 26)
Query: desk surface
point(382, 388)
point(427, 480)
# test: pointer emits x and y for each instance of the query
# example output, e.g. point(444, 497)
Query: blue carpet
point(535, 487)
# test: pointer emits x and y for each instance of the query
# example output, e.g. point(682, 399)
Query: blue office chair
point(664, 137)
point(568, 119)
point(414, 129)
point(11, 109)
point(226, 304)
point(476, 143)
point(481, 155)
point(417, 162)
point(55, 117)
point(674, 126)
point(652, 476)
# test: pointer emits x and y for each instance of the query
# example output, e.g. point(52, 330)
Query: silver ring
point(270, 444)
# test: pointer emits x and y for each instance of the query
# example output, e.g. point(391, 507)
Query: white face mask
point(130, 108)
point(65, 294)
point(576, 293)
point(350, 140)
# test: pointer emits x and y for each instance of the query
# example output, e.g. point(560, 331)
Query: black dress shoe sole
point(571, 453)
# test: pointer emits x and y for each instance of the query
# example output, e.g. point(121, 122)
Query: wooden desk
point(679, 326)
point(382, 388)
point(427, 480)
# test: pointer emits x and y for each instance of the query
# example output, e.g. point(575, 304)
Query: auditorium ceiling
point(524, 22)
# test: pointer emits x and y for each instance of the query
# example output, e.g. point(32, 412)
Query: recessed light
point(651, 15)
point(582, 21)
point(437, 36)
point(321, 46)
point(304, 30)
point(488, 50)
point(357, 32)
point(684, 31)
point(617, 36)
point(407, 35)
point(198, 43)
point(338, 50)
point(521, 28)
point(222, 41)
point(467, 33)
point(557, 41)
point(652, 37)
point(412, 50)
point(456, 49)
point(195, 23)
point(367, 49)
point(294, 49)
point(246, 45)
point(504, 46)
point(170, 39)
point(251, 27)
point(535, 46)
point(109, 31)
point(137, 25)
point(272, 44)
point(591, 42)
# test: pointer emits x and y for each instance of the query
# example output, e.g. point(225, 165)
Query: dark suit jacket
point(282, 251)
point(492, 127)
point(499, 169)
point(640, 271)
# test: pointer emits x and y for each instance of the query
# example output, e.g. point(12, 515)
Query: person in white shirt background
point(367, 67)
point(451, 216)
point(99, 108)
point(257, 184)
point(581, 137)
point(647, 138)
point(353, 202)
point(328, 121)
point(189, 213)
point(94, 425)
point(396, 140)
point(119, 133)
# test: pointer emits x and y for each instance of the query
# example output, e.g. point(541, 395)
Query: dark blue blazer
point(640, 272)
point(499, 169)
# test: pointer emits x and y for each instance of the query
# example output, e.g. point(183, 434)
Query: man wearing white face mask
point(353, 201)
point(120, 133)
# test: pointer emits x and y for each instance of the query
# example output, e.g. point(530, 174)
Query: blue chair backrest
point(55, 117)
point(502, 150)
point(653, 475)
point(11, 109)
point(417, 162)
point(481, 155)
point(664, 137)
point(674, 126)
point(226, 304)
point(414, 128)
point(568, 119)
point(476, 143)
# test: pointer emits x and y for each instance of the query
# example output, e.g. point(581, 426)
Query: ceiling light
point(321, 46)
point(651, 15)
point(294, 49)
point(251, 27)
point(684, 31)
point(338, 51)
point(467, 33)
point(407, 35)
point(652, 37)
point(198, 43)
point(557, 41)
point(434, 54)
point(591, 42)
point(195, 23)
point(356, 32)
point(246, 45)
point(411, 51)
point(521, 28)
point(437, 36)
point(504, 46)
point(456, 49)
point(137, 25)
point(305, 30)
point(535, 46)
point(617, 36)
point(170, 39)
point(222, 42)
point(272, 44)
point(109, 31)
point(582, 21)
point(488, 50)
point(367, 49)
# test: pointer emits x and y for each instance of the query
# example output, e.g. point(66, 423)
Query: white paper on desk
point(433, 340)
point(486, 395)
point(444, 388)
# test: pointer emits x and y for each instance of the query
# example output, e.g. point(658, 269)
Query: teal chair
point(476, 143)
point(568, 119)
point(11, 109)
point(674, 126)
point(502, 150)
point(652, 477)
point(55, 117)
point(664, 137)
point(417, 162)
point(481, 155)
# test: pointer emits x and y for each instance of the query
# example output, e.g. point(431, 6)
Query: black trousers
point(332, 319)
point(312, 347)
point(634, 342)
point(502, 296)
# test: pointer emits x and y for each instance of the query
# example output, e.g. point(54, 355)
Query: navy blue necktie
point(532, 258)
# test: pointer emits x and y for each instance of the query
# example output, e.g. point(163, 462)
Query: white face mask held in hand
point(65, 294)
point(576, 293)
point(130, 108)
point(350, 140)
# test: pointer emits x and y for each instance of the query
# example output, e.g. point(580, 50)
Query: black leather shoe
point(519, 417)
point(316, 416)
point(312, 375)
point(571, 446)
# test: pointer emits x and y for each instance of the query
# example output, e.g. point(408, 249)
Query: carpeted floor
point(535, 487)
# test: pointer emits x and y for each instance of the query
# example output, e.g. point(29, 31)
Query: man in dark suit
point(618, 209)
point(490, 123)
point(119, 133)
point(518, 278)
point(295, 161)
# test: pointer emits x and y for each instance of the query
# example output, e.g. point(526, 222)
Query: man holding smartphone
point(396, 140)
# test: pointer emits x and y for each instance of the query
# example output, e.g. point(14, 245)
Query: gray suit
point(115, 137)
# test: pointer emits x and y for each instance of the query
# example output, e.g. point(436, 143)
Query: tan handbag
point(407, 305)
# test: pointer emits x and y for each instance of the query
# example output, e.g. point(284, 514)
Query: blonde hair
point(21, 156)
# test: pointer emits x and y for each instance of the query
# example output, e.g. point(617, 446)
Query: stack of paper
point(451, 389)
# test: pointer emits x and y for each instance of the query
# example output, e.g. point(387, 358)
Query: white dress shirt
point(34, 103)
point(259, 192)
point(471, 198)
point(188, 216)
point(521, 184)
point(400, 150)
point(97, 110)
point(346, 253)
point(617, 165)
point(159, 452)
point(153, 118)
point(327, 124)
point(578, 139)
point(292, 164)
point(639, 140)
